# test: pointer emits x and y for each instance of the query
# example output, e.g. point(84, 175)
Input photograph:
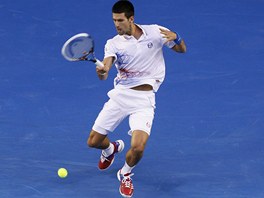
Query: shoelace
point(127, 180)
point(103, 158)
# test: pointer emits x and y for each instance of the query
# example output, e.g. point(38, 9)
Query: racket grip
point(98, 63)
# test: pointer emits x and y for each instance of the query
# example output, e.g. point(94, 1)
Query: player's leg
point(138, 143)
point(108, 119)
point(140, 122)
point(133, 156)
point(135, 153)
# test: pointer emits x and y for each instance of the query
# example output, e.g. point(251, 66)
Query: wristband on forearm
point(178, 39)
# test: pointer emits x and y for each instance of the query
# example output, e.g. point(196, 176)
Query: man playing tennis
point(137, 54)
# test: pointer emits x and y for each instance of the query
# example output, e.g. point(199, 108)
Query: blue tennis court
point(207, 138)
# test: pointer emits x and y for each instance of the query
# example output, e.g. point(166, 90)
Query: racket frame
point(88, 56)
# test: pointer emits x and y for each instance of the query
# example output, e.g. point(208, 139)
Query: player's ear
point(131, 19)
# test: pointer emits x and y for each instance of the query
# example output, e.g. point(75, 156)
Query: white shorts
point(138, 105)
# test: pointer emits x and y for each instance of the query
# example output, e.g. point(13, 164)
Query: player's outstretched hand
point(169, 35)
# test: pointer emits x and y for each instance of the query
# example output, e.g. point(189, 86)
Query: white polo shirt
point(139, 61)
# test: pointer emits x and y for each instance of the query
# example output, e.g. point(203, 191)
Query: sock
point(109, 151)
point(126, 169)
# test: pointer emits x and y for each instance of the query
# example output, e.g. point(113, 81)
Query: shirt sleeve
point(109, 50)
point(169, 44)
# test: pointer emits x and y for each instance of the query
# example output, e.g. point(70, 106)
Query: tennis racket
point(80, 47)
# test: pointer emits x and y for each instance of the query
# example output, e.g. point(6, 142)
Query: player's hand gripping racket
point(80, 47)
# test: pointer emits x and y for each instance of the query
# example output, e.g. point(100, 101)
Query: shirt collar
point(128, 37)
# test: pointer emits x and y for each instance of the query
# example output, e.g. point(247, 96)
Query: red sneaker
point(126, 188)
point(106, 162)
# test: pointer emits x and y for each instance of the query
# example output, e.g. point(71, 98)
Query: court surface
point(207, 138)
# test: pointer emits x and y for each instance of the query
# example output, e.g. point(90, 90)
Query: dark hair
point(123, 6)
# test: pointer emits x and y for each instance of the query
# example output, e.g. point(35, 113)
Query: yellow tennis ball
point(62, 172)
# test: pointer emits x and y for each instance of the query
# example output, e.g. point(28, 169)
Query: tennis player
point(137, 54)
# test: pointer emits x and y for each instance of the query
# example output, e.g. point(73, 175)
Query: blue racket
point(80, 47)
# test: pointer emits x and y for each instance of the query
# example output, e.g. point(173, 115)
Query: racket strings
point(79, 48)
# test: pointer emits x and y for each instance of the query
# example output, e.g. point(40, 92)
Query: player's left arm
point(179, 46)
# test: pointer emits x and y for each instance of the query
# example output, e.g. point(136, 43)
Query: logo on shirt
point(150, 45)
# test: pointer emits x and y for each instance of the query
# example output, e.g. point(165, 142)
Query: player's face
point(122, 23)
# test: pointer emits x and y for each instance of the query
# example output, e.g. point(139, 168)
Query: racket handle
point(98, 63)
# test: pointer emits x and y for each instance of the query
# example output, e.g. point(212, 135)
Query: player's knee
point(91, 142)
point(95, 139)
point(138, 149)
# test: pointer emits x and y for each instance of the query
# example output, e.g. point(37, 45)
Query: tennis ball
point(62, 172)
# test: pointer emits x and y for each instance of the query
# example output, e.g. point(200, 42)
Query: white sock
point(126, 169)
point(109, 151)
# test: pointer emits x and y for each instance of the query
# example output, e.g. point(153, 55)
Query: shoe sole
point(121, 145)
point(118, 175)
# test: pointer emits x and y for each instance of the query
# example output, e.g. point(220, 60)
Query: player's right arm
point(102, 72)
